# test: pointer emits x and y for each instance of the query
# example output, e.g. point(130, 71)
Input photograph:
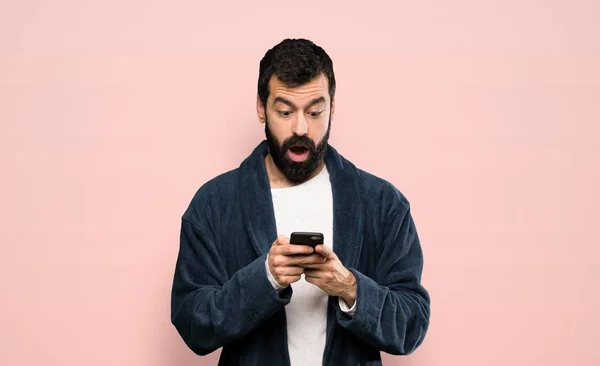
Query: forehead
point(302, 94)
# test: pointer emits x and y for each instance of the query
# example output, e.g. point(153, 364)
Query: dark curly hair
point(294, 62)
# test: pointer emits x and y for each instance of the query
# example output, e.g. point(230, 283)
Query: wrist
point(350, 299)
point(349, 294)
point(278, 287)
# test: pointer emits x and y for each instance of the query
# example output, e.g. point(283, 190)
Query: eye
point(315, 114)
point(285, 113)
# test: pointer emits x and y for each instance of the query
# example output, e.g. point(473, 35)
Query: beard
point(297, 172)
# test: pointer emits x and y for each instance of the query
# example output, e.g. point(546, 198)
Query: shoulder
point(377, 192)
point(217, 191)
point(372, 186)
point(381, 192)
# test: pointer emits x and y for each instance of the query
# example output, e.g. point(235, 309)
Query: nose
point(300, 127)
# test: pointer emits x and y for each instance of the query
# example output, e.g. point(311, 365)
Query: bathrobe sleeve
point(392, 309)
point(210, 309)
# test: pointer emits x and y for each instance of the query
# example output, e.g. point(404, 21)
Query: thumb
point(282, 240)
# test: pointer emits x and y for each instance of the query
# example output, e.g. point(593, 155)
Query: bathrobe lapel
point(257, 204)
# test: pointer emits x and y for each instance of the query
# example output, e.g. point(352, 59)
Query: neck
point(276, 177)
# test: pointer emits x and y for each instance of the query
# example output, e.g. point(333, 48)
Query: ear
point(332, 112)
point(260, 110)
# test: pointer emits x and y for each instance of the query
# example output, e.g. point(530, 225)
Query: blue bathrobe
point(221, 296)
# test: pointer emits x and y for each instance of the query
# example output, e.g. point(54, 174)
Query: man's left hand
point(331, 276)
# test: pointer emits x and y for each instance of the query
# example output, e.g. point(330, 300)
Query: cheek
point(277, 127)
point(318, 130)
point(279, 131)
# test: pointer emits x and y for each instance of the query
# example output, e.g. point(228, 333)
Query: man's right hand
point(286, 260)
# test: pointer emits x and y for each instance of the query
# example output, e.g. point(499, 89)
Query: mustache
point(296, 140)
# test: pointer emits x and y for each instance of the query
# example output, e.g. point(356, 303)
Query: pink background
point(484, 113)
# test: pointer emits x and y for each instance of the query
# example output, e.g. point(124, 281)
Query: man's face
point(297, 122)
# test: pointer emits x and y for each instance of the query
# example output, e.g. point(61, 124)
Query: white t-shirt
point(306, 207)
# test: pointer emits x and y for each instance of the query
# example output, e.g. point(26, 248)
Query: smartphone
point(306, 238)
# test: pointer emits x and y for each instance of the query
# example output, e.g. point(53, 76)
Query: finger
point(309, 272)
point(314, 273)
point(290, 271)
point(325, 251)
point(294, 249)
point(319, 262)
point(304, 260)
point(314, 281)
point(318, 266)
point(289, 279)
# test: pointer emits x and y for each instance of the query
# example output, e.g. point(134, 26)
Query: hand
point(331, 276)
point(286, 260)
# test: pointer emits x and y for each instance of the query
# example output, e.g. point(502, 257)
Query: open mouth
point(298, 150)
point(298, 153)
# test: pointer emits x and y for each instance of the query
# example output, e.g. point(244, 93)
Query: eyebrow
point(290, 104)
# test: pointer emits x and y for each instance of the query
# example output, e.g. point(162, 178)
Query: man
point(239, 283)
